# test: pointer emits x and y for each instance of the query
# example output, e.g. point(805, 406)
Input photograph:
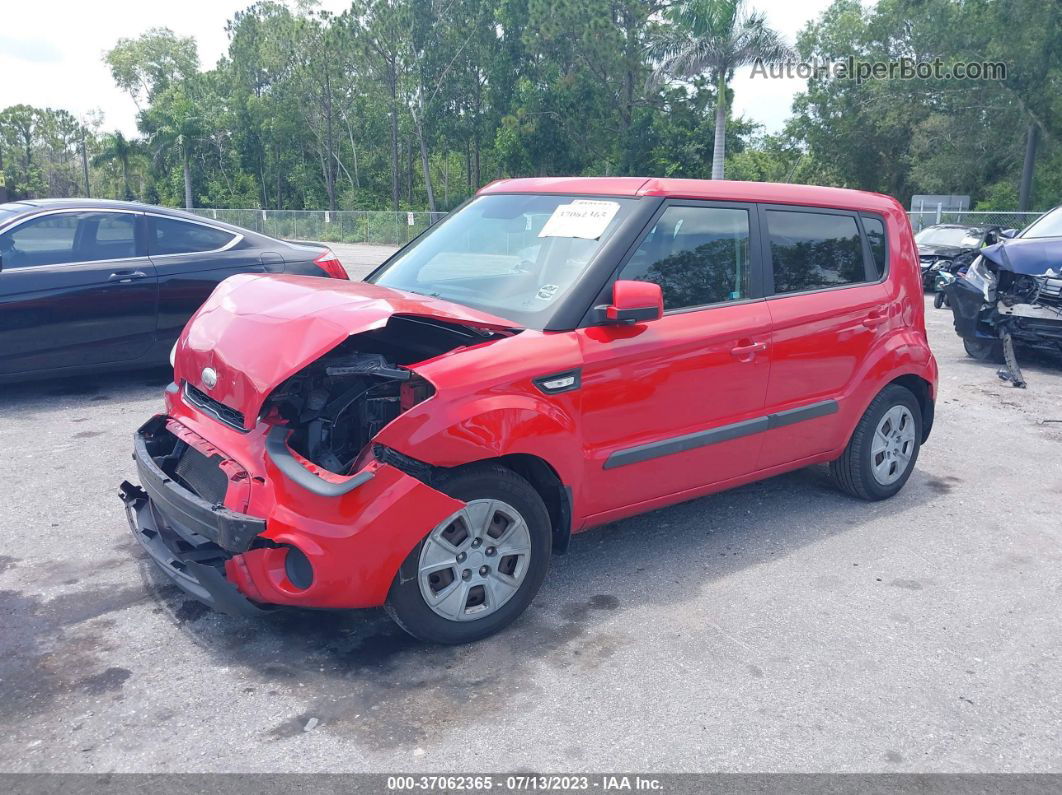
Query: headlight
point(979, 276)
point(173, 355)
point(940, 263)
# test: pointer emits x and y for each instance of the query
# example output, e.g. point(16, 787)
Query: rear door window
point(698, 256)
point(171, 236)
point(814, 251)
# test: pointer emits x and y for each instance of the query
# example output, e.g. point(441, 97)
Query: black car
point(89, 285)
point(952, 247)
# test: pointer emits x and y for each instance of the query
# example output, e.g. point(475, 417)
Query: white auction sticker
point(583, 218)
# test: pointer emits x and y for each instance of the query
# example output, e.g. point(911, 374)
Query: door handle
point(750, 350)
point(875, 319)
point(124, 277)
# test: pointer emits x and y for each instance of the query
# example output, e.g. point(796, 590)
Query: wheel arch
point(923, 392)
point(539, 473)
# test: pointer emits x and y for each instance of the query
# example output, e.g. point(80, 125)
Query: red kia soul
point(555, 355)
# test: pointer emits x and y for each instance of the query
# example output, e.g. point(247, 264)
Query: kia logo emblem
point(210, 377)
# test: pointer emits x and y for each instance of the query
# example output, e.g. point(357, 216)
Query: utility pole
point(1025, 190)
point(3, 180)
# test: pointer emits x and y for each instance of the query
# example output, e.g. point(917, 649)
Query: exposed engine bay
point(337, 404)
point(1011, 295)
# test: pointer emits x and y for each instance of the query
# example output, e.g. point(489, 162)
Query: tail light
point(330, 264)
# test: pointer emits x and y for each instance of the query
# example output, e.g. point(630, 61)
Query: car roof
point(29, 205)
point(727, 190)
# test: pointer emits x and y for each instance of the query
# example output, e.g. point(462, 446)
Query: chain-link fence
point(920, 219)
point(343, 226)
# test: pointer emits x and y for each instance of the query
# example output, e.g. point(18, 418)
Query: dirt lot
point(778, 627)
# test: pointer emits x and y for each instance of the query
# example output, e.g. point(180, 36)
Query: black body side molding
point(723, 433)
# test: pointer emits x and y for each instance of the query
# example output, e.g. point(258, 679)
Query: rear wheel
point(984, 350)
point(883, 449)
point(477, 570)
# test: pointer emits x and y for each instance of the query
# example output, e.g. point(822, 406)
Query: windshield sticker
point(582, 218)
point(546, 292)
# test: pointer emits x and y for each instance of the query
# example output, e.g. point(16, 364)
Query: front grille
point(1050, 291)
point(202, 475)
point(216, 409)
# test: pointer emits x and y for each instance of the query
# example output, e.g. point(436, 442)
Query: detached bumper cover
point(189, 538)
point(229, 530)
point(199, 580)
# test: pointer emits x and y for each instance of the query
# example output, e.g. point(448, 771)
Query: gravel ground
point(777, 627)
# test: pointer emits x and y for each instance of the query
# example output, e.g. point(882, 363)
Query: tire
point(493, 494)
point(862, 470)
point(939, 299)
point(984, 350)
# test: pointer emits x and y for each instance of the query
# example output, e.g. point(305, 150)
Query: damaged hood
point(256, 331)
point(1033, 257)
point(941, 251)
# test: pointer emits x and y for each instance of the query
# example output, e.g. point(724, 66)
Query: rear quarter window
point(171, 236)
point(875, 231)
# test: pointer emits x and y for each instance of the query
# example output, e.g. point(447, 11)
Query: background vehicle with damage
point(1011, 295)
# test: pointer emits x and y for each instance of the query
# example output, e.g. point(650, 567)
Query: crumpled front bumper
point(349, 542)
point(175, 552)
point(190, 539)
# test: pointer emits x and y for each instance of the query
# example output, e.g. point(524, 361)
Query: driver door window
point(66, 238)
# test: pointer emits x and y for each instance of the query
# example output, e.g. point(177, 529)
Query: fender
point(904, 352)
point(490, 426)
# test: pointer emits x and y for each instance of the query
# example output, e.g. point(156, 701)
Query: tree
point(118, 149)
point(173, 124)
point(149, 64)
point(714, 37)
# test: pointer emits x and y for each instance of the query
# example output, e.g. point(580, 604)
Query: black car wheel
point(477, 570)
point(984, 350)
point(884, 447)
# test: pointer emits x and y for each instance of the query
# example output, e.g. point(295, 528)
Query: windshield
point(1047, 225)
point(949, 236)
point(514, 255)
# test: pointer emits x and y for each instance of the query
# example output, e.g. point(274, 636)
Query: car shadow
point(358, 675)
point(84, 391)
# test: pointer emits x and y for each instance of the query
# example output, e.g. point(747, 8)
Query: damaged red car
point(555, 355)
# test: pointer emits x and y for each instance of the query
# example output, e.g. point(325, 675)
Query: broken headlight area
point(336, 405)
point(994, 302)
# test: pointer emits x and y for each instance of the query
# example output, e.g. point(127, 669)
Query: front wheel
point(984, 350)
point(477, 570)
point(883, 449)
point(939, 299)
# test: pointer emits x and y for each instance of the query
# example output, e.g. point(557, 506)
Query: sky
point(51, 52)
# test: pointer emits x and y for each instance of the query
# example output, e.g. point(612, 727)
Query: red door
point(677, 403)
point(827, 314)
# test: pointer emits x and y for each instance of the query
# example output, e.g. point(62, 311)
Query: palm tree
point(174, 123)
point(717, 37)
point(116, 147)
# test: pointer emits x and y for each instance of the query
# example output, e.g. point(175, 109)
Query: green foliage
point(412, 104)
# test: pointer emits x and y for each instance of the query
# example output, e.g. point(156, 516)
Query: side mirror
point(1008, 233)
point(634, 302)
